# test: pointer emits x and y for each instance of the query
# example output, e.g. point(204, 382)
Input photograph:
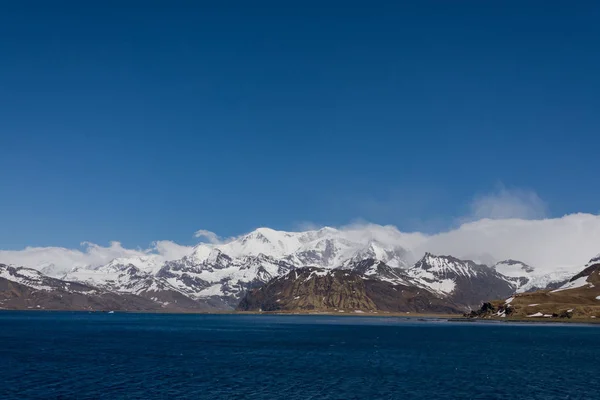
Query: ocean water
point(52, 355)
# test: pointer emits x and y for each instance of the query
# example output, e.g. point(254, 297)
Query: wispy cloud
point(89, 254)
point(211, 237)
point(548, 243)
point(415, 209)
point(307, 226)
point(508, 203)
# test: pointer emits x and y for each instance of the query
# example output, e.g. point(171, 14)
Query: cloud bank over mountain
point(547, 244)
point(89, 254)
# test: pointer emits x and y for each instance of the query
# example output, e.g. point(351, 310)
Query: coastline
point(409, 316)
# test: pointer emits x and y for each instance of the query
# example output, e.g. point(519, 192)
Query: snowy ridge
point(584, 278)
point(119, 277)
point(577, 283)
point(326, 247)
point(149, 264)
point(513, 268)
point(25, 276)
point(439, 273)
point(540, 282)
point(463, 281)
point(221, 275)
point(36, 280)
point(593, 261)
point(446, 266)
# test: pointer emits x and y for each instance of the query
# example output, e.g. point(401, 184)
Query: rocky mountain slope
point(579, 297)
point(432, 284)
point(25, 288)
point(339, 290)
point(220, 276)
point(461, 281)
point(119, 277)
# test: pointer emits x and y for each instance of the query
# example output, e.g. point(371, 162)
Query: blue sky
point(150, 120)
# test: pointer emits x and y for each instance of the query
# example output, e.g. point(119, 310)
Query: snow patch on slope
point(577, 283)
point(24, 276)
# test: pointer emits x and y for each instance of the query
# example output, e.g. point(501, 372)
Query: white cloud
point(62, 259)
point(211, 237)
point(307, 226)
point(362, 232)
point(169, 250)
point(546, 244)
point(508, 203)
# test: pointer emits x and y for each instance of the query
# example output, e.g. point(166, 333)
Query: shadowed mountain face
point(315, 289)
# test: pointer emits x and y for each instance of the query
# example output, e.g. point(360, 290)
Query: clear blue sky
point(139, 121)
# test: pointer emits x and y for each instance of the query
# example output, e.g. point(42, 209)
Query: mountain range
point(241, 272)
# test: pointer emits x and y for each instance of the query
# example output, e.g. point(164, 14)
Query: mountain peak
point(594, 260)
point(435, 259)
point(259, 234)
point(448, 266)
point(513, 268)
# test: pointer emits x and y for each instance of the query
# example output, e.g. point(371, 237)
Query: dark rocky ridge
point(315, 289)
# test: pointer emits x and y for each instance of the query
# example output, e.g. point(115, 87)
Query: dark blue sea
point(52, 355)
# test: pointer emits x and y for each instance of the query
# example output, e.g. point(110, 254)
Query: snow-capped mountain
point(118, 276)
point(371, 268)
point(326, 247)
point(36, 280)
point(394, 257)
point(149, 264)
point(463, 281)
point(527, 278)
point(220, 275)
point(25, 288)
point(228, 270)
